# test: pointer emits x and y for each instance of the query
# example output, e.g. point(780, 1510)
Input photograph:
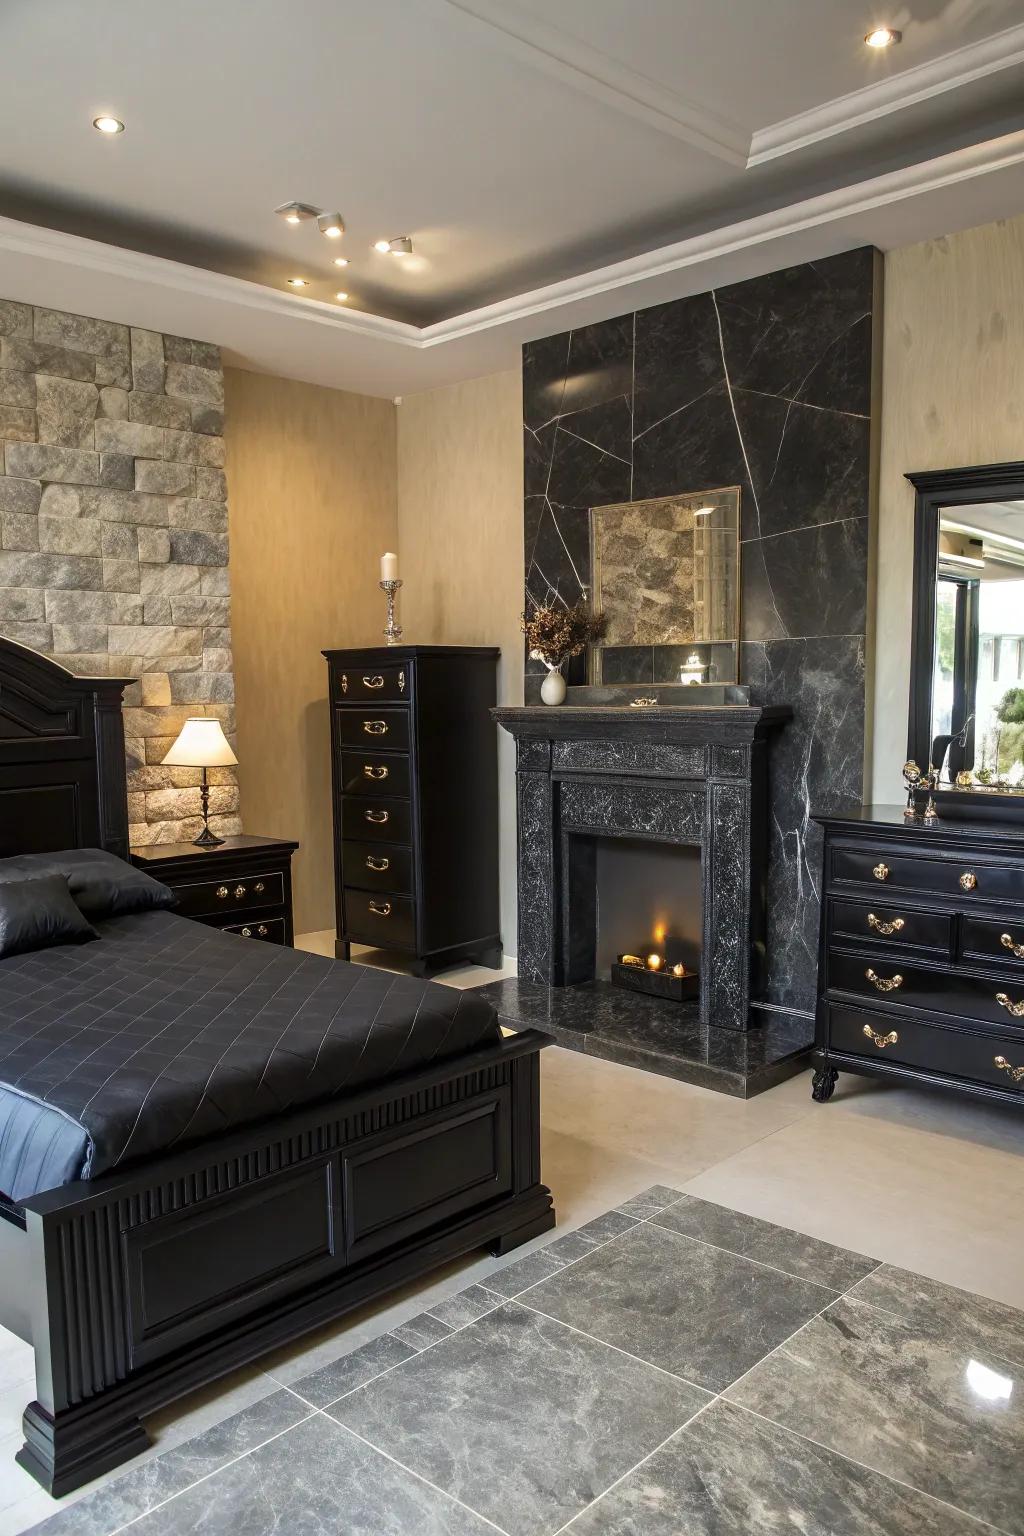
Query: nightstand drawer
point(386, 729)
point(358, 684)
point(895, 924)
point(385, 920)
point(372, 868)
point(270, 930)
point(933, 1047)
point(208, 898)
point(1000, 942)
point(374, 773)
point(376, 819)
point(891, 980)
point(968, 879)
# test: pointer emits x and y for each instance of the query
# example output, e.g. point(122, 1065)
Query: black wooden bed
point(172, 1267)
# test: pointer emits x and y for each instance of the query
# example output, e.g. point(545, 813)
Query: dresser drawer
point(383, 920)
point(1001, 941)
point(374, 773)
point(375, 819)
point(896, 925)
point(270, 930)
point(375, 868)
point(891, 980)
point(931, 1047)
point(378, 728)
point(968, 879)
point(209, 898)
point(357, 684)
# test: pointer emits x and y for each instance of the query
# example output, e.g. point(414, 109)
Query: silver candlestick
point(392, 630)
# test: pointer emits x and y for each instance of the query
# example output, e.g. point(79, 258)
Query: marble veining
point(805, 1257)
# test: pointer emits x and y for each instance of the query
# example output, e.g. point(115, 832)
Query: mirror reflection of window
point(978, 672)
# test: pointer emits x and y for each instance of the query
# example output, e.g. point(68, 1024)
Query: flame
point(654, 962)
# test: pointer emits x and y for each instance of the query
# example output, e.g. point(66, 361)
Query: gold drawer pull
point(377, 865)
point(344, 682)
point(881, 1040)
point(1017, 1073)
point(881, 871)
point(223, 892)
point(896, 926)
point(375, 727)
point(1016, 1009)
point(262, 930)
point(246, 933)
point(373, 682)
point(259, 887)
point(381, 911)
point(1006, 940)
point(377, 817)
point(239, 892)
point(370, 772)
point(968, 880)
point(884, 983)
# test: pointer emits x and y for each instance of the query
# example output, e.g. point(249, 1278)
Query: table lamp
point(202, 744)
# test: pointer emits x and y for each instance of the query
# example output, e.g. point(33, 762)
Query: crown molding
point(543, 46)
point(953, 70)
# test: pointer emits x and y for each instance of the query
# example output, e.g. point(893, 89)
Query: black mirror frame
point(935, 489)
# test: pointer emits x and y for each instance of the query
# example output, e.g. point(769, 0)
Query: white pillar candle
point(389, 567)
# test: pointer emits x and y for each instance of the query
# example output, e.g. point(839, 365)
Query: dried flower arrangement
point(556, 633)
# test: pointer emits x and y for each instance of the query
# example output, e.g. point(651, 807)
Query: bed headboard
point(63, 778)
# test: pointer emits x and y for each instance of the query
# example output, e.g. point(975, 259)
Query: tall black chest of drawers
point(921, 967)
point(415, 773)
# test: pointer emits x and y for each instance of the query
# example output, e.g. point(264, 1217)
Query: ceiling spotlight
point(108, 124)
point(341, 297)
point(401, 245)
point(883, 37)
point(296, 213)
point(341, 261)
point(330, 224)
point(298, 282)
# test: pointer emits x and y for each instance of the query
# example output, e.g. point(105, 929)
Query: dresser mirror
point(665, 574)
point(967, 673)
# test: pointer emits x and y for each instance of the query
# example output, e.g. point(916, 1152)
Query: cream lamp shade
point(201, 744)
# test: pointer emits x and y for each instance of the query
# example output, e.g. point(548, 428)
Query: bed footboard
point(145, 1286)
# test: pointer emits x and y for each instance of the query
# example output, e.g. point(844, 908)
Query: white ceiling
point(555, 161)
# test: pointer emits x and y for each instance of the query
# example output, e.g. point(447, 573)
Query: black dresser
point(414, 757)
point(921, 967)
point(243, 886)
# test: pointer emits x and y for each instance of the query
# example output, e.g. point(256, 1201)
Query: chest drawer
point(373, 868)
point(897, 925)
point(210, 898)
point(1000, 941)
point(968, 879)
point(375, 728)
point(270, 929)
point(912, 1043)
point(376, 819)
point(374, 773)
point(891, 980)
point(384, 920)
point(357, 684)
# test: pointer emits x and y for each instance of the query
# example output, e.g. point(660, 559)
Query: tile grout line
point(672, 1375)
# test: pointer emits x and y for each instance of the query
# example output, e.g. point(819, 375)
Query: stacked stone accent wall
point(114, 535)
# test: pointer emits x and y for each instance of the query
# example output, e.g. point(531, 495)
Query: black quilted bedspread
point(165, 1032)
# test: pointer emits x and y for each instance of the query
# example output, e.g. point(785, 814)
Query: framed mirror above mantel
point(966, 717)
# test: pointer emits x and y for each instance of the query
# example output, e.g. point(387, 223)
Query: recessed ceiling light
point(296, 213)
point(883, 37)
point(401, 245)
point(330, 224)
point(341, 296)
point(108, 124)
point(298, 282)
point(341, 261)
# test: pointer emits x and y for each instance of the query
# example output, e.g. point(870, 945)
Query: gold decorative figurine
point(912, 778)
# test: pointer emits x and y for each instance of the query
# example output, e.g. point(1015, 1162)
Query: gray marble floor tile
point(806, 1257)
point(611, 1224)
point(729, 1472)
point(698, 1311)
point(895, 1396)
point(466, 1306)
point(971, 1320)
point(352, 1370)
point(573, 1246)
point(523, 1420)
point(317, 1480)
point(421, 1331)
point(517, 1277)
point(141, 1488)
point(649, 1201)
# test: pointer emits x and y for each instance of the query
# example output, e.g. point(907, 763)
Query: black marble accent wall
point(769, 385)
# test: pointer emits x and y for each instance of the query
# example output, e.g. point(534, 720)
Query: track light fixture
point(330, 224)
point(296, 213)
point(401, 245)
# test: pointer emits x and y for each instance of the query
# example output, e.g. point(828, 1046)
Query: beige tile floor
point(921, 1179)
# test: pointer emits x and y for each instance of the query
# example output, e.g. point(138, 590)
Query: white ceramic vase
point(552, 689)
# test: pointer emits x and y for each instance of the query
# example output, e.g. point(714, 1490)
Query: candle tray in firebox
point(640, 978)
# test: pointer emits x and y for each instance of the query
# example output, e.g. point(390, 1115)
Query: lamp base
point(207, 839)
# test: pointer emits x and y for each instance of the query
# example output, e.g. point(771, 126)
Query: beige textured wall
point(460, 545)
point(953, 393)
point(312, 482)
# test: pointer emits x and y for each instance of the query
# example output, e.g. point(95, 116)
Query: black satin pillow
point(37, 914)
point(101, 884)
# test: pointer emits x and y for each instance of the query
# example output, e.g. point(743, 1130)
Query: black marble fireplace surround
point(770, 385)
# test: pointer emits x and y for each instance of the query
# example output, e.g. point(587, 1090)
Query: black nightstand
point(244, 886)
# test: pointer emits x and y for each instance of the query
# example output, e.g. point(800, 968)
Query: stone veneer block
point(147, 361)
point(66, 412)
point(159, 411)
point(15, 319)
point(21, 496)
point(163, 478)
point(45, 461)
